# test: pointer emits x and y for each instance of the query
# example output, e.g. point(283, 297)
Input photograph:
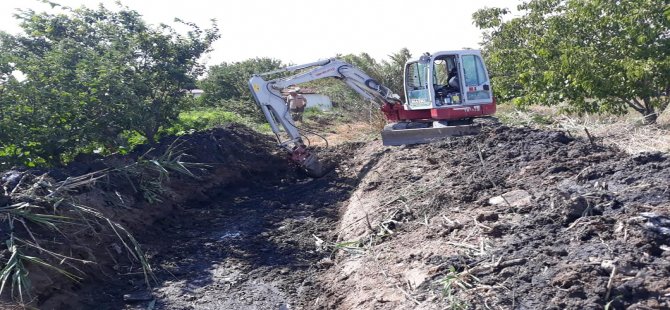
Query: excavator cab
point(444, 92)
point(446, 80)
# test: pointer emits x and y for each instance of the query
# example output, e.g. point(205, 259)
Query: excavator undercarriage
point(402, 133)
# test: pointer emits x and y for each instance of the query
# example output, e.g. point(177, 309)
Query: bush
point(204, 118)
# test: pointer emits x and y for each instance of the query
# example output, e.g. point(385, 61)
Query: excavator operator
point(452, 79)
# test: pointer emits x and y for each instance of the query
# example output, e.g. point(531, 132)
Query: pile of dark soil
point(127, 193)
point(512, 218)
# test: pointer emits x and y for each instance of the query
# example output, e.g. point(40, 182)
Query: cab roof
point(454, 52)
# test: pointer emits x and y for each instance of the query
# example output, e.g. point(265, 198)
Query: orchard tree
point(392, 71)
point(387, 72)
point(366, 63)
point(594, 55)
point(7, 82)
point(227, 86)
point(229, 81)
point(91, 75)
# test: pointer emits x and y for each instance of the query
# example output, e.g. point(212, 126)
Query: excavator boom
point(268, 96)
point(443, 91)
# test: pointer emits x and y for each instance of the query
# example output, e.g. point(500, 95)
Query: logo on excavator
point(475, 108)
point(256, 88)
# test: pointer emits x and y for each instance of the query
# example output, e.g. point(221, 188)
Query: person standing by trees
point(296, 103)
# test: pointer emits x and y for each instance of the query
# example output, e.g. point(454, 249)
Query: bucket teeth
point(391, 136)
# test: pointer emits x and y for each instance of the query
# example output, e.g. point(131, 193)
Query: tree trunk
point(150, 134)
point(650, 118)
point(649, 113)
point(150, 131)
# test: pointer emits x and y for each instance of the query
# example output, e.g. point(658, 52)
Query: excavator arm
point(268, 97)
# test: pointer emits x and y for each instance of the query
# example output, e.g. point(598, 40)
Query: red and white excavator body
point(443, 93)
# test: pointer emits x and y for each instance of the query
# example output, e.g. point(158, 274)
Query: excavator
point(444, 92)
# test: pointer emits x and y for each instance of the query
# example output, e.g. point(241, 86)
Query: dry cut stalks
point(41, 220)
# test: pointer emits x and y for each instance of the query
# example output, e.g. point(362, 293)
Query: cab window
point(440, 72)
point(473, 69)
point(416, 76)
point(417, 84)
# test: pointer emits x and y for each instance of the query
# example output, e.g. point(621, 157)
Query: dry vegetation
point(625, 131)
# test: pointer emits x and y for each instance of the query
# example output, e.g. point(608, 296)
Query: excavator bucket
point(308, 161)
point(421, 133)
point(313, 166)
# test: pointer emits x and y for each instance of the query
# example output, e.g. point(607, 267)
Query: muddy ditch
point(132, 191)
point(513, 218)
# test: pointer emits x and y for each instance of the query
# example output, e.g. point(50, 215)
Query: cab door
point(417, 90)
point(476, 85)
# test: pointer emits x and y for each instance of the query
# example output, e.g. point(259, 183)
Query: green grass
point(313, 112)
point(205, 118)
point(450, 283)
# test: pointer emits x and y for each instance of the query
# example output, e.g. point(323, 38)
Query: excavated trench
point(513, 218)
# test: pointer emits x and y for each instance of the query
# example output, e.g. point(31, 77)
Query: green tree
point(594, 55)
point(392, 71)
point(341, 94)
point(227, 86)
point(92, 75)
point(366, 63)
point(228, 81)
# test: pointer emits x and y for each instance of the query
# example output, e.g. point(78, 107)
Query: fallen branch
point(588, 134)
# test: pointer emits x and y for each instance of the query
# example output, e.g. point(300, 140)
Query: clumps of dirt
point(511, 218)
point(122, 193)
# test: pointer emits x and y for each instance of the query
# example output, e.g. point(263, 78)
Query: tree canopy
point(227, 86)
point(387, 72)
point(90, 78)
point(593, 55)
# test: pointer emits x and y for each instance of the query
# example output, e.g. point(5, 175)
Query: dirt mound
point(136, 191)
point(512, 218)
